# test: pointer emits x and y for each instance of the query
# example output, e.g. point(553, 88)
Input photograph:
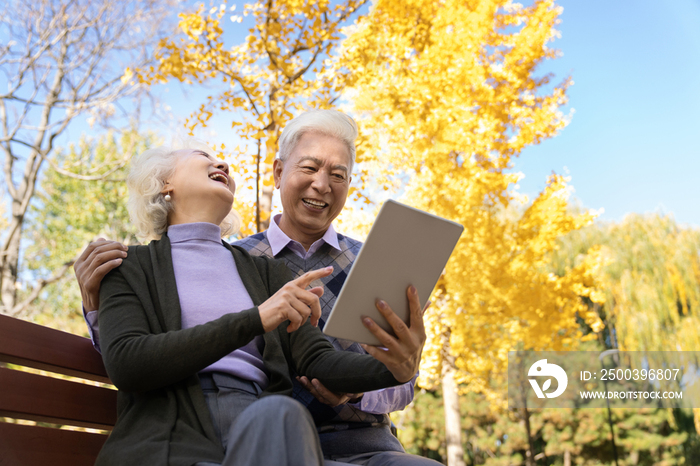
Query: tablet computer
point(405, 246)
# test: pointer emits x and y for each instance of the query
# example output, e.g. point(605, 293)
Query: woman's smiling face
point(200, 188)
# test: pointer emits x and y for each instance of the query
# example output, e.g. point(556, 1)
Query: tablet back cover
point(405, 246)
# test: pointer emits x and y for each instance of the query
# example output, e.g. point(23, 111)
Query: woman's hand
point(294, 302)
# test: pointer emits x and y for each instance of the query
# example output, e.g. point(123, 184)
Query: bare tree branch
point(62, 59)
point(38, 287)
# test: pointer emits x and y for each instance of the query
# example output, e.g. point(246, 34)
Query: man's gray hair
point(328, 122)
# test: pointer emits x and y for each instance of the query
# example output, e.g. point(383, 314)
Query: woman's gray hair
point(329, 122)
point(147, 207)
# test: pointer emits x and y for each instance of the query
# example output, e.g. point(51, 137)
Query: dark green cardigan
point(162, 414)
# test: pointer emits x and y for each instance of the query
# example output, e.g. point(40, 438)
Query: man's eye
point(339, 176)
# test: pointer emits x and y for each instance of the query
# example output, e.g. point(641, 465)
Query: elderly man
point(313, 173)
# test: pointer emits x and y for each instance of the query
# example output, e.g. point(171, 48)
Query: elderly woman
point(201, 338)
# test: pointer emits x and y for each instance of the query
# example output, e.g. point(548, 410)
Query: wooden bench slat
point(39, 398)
point(39, 446)
point(33, 345)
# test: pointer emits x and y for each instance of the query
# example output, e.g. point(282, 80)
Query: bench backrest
point(48, 399)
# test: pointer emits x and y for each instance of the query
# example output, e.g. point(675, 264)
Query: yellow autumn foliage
point(280, 68)
point(448, 95)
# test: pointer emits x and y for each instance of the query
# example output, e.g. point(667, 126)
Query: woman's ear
point(166, 188)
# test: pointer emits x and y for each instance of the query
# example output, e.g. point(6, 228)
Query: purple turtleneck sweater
point(209, 286)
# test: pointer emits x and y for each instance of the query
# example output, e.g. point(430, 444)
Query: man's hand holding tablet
point(402, 353)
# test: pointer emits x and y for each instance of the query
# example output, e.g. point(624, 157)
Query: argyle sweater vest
point(343, 417)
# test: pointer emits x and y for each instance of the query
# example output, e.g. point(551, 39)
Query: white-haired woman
point(199, 336)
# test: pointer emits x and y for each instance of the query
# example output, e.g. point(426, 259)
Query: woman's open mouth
point(218, 176)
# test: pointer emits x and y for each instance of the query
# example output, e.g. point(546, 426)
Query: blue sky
point(632, 144)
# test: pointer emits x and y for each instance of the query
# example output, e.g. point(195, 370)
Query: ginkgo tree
point(448, 95)
point(282, 67)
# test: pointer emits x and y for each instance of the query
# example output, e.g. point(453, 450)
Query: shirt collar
point(279, 239)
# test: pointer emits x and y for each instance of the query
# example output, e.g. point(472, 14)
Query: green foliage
point(644, 437)
point(651, 281)
point(70, 212)
point(493, 436)
point(422, 425)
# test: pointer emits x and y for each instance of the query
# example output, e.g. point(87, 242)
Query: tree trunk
point(453, 429)
point(10, 265)
point(263, 194)
point(530, 453)
point(567, 458)
point(266, 206)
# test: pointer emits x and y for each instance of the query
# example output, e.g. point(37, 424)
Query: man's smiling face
point(313, 184)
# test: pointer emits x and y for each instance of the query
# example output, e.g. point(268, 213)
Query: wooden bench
point(51, 400)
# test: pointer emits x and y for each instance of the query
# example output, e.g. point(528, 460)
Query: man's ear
point(277, 166)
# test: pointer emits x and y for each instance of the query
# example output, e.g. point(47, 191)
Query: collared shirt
point(341, 254)
point(279, 239)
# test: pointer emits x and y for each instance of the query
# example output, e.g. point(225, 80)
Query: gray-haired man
point(312, 172)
